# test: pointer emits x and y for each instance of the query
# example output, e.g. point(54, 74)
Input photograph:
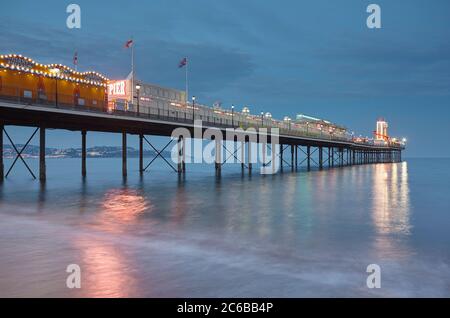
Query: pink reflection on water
point(124, 205)
point(120, 209)
point(106, 268)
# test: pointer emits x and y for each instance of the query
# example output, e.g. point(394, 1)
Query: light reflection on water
point(120, 207)
point(391, 210)
point(293, 234)
point(391, 199)
point(111, 270)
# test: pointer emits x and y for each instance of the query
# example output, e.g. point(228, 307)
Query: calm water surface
point(289, 235)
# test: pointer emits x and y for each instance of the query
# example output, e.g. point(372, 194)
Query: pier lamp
point(287, 120)
point(245, 110)
point(262, 119)
point(138, 89)
point(232, 115)
point(55, 72)
point(404, 140)
point(193, 108)
point(268, 116)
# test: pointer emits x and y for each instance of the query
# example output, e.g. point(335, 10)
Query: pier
point(55, 96)
point(312, 150)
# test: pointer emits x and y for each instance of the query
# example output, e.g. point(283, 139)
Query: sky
point(285, 57)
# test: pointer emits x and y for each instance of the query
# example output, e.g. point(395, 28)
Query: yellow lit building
point(23, 79)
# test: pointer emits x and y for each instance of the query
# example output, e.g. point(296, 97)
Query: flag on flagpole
point(75, 59)
point(129, 44)
point(183, 63)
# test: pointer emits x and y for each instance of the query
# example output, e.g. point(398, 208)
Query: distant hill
point(32, 151)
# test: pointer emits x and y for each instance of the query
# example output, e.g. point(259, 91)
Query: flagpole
point(187, 87)
point(75, 61)
point(132, 72)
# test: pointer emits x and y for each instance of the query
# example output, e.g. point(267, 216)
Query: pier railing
point(170, 115)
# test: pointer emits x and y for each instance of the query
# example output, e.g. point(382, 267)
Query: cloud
point(211, 66)
point(380, 66)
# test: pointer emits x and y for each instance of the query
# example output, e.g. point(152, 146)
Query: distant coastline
point(32, 151)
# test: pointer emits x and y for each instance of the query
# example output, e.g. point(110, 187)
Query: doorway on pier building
point(76, 96)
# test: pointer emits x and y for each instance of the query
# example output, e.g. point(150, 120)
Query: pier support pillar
point(249, 156)
point(341, 157)
point(141, 153)
point(296, 156)
point(83, 153)
point(243, 156)
point(320, 158)
point(332, 157)
point(281, 156)
point(183, 157)
point(329, 157)
point(42, 168)
point(292, 157)
point(308, 153)
point(218, 153)
point(179, 155)
point(2, 167)
point(124, 154)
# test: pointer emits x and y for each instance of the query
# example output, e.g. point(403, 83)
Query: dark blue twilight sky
point(313, 57)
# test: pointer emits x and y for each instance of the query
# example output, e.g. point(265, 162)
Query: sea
point(160, 234)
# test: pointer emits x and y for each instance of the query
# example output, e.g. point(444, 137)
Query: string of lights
point(51, 70)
